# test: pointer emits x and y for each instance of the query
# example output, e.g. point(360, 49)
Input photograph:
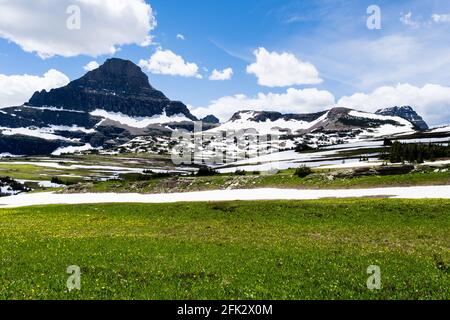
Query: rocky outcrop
point(64, 116)
point(407, 113)
point(117, 86)
point(211, 119)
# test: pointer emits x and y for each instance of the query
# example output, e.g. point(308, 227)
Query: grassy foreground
point(284, 179)
point(236, 250)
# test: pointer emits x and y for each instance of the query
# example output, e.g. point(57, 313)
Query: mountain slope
point(118, 86)
point(107, 107)
point(336, 120)
point(407, 113)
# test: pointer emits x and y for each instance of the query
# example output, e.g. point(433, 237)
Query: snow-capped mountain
point(405, 112)
point(337, 120)
point(108, 106)
point(114, 107)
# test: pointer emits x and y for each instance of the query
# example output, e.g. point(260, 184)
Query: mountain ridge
point(112, 105)
point(117, 86)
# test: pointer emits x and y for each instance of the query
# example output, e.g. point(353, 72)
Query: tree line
point(414, 152)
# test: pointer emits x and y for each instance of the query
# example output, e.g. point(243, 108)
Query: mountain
point(211, 119)
point(117, 86)
point(114, 106)
point(336, 120)
point(405, 112)
point(106, 107)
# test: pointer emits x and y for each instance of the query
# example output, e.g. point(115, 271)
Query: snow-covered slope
point(268, 125)
point(139, 122)
point(442, 129)
point(335, 120)
point(105, 108)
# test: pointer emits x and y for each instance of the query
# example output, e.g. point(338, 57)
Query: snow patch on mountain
point(441, 129)
point(47, 133)
point(246, 122)
point(72, 149)
point(41, 133)
point(48, 108)
point(139, 122)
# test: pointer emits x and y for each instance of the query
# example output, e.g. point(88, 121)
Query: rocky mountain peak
point(211, 119)
point(117, 75)
point(117, 86)
point(407, 113)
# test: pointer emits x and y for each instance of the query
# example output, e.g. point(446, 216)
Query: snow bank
point(138, 122)
point(72, 149)
point(23, 200)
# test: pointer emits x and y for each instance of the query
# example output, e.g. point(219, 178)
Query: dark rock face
point(26, 117)
point(211, 119)
point(263, 116)
point(24, 145)
point(406, 113)
point(337, 120)
point(117, 86)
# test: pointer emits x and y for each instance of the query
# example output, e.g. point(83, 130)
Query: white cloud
point(180, 37)
point(417, 57)
point(91, 66)
point(431, 101)
point(282, 69)
point(41, 26)
point(18, 89)
point(440, 18)
point(168, 63)
point(292, 101)
point(225, 74)
point(407, 20)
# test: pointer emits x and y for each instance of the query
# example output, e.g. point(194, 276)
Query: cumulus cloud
point(440, 18)
point(291, 101)
point(431, 101)
point(282, 69)
point(51, 27)
point(180, 37)
point(218, 75)
point(91, 66)
point(18, 89)
point(168, 63)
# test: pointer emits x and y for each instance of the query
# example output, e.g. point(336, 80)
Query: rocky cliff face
point(117, 86)
point(106, 107)
point(405, 112)
point(336, 120)
point(264, 116)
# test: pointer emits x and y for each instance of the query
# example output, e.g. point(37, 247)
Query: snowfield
point(24, 200)
point(266, 127)
point(138, 122)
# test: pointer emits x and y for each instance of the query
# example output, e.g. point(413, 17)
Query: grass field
point(236, 250)
point(284, 179)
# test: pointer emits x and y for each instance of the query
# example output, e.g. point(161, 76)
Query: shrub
point(240, 173)
point(157, 174)
point(302, 148)
point(133, 177)
point(57, 180)
point(303, 172)
point(206, 172)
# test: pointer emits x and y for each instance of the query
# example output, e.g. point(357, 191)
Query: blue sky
point(409, 56)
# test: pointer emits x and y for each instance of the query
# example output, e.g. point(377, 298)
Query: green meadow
point(228, 250)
